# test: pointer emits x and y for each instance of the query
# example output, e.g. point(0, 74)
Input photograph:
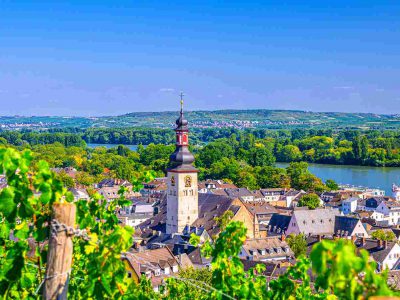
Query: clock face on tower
point(188, 181)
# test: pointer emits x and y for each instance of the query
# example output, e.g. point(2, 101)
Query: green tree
point(312, 201)
point(331, 184)
point(383, 235)
point(298, 244)
point(289, 153)
point(261, 155)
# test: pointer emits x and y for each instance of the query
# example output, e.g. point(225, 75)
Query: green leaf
point(7, 204)
point(21, 230)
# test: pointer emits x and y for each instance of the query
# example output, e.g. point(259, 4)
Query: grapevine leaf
point(7, 204)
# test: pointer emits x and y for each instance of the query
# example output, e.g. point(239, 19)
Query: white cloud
point(167, 90)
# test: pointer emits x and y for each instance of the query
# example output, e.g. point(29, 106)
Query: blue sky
point(112, 57)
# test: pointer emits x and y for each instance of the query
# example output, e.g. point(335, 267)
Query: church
point(182, 209)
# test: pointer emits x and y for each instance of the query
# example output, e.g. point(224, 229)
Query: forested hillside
point(371, 147)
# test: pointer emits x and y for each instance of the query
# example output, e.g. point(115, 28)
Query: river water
point(374, 177)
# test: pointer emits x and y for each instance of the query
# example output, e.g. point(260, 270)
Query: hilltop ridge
point(241, 119)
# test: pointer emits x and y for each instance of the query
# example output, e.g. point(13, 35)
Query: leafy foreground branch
point(334, 270)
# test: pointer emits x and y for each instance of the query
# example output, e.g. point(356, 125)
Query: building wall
point(359, 230)
point(392, 258)
point(243, 215)
point(182, 201)
point(130, 270)
point(293, 227)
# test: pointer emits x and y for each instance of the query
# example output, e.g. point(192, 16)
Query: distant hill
point(260, 118)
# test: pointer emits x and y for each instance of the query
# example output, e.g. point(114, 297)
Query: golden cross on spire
point(181, 95)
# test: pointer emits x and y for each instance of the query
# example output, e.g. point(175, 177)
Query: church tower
point(182, 194)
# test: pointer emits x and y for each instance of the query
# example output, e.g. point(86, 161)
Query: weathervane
point(181, 95)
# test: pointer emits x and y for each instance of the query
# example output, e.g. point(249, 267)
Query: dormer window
point(262, 251)
point(175, 268)
point(157, 272)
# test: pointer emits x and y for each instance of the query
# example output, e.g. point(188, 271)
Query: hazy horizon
point(107, 59)
point(196, 110)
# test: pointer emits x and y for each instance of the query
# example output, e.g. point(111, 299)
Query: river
point(374, 177)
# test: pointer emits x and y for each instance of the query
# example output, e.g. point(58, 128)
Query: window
point(129, 275)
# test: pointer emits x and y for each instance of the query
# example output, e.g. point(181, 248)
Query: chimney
point(283, 237)
point(363, 240)
point(380, 244)
point(385, 244)
point(319, 237)
point(353, 238)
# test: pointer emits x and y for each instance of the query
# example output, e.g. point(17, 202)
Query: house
point(385, 254)
point(261, 210)
point(109, 188)
point(79, 194)
point(396, 192)
point(69, 171)
point(330, 196)
point(266, 249)
point(312, 222)
point(155, 186)
point(273, 194)
point(348, 227)
point(291, 197)
point(272, 269)
point(367, 193)
point(349, 205)
point(136, 213)
point(209, 186)
point(157, 265)
point(391, 212)
point(199, 231)
point(242, 193)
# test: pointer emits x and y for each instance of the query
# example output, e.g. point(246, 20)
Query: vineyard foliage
point(337, 270)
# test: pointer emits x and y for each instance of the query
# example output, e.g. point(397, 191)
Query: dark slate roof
point(239, 192)
point(260, 208)
point(279, 221)
point(396, 232)
point(197, 258)
point(374, 202)
point(270, 267)
point(345, 224)
point(211, 206)
point(377, 252)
